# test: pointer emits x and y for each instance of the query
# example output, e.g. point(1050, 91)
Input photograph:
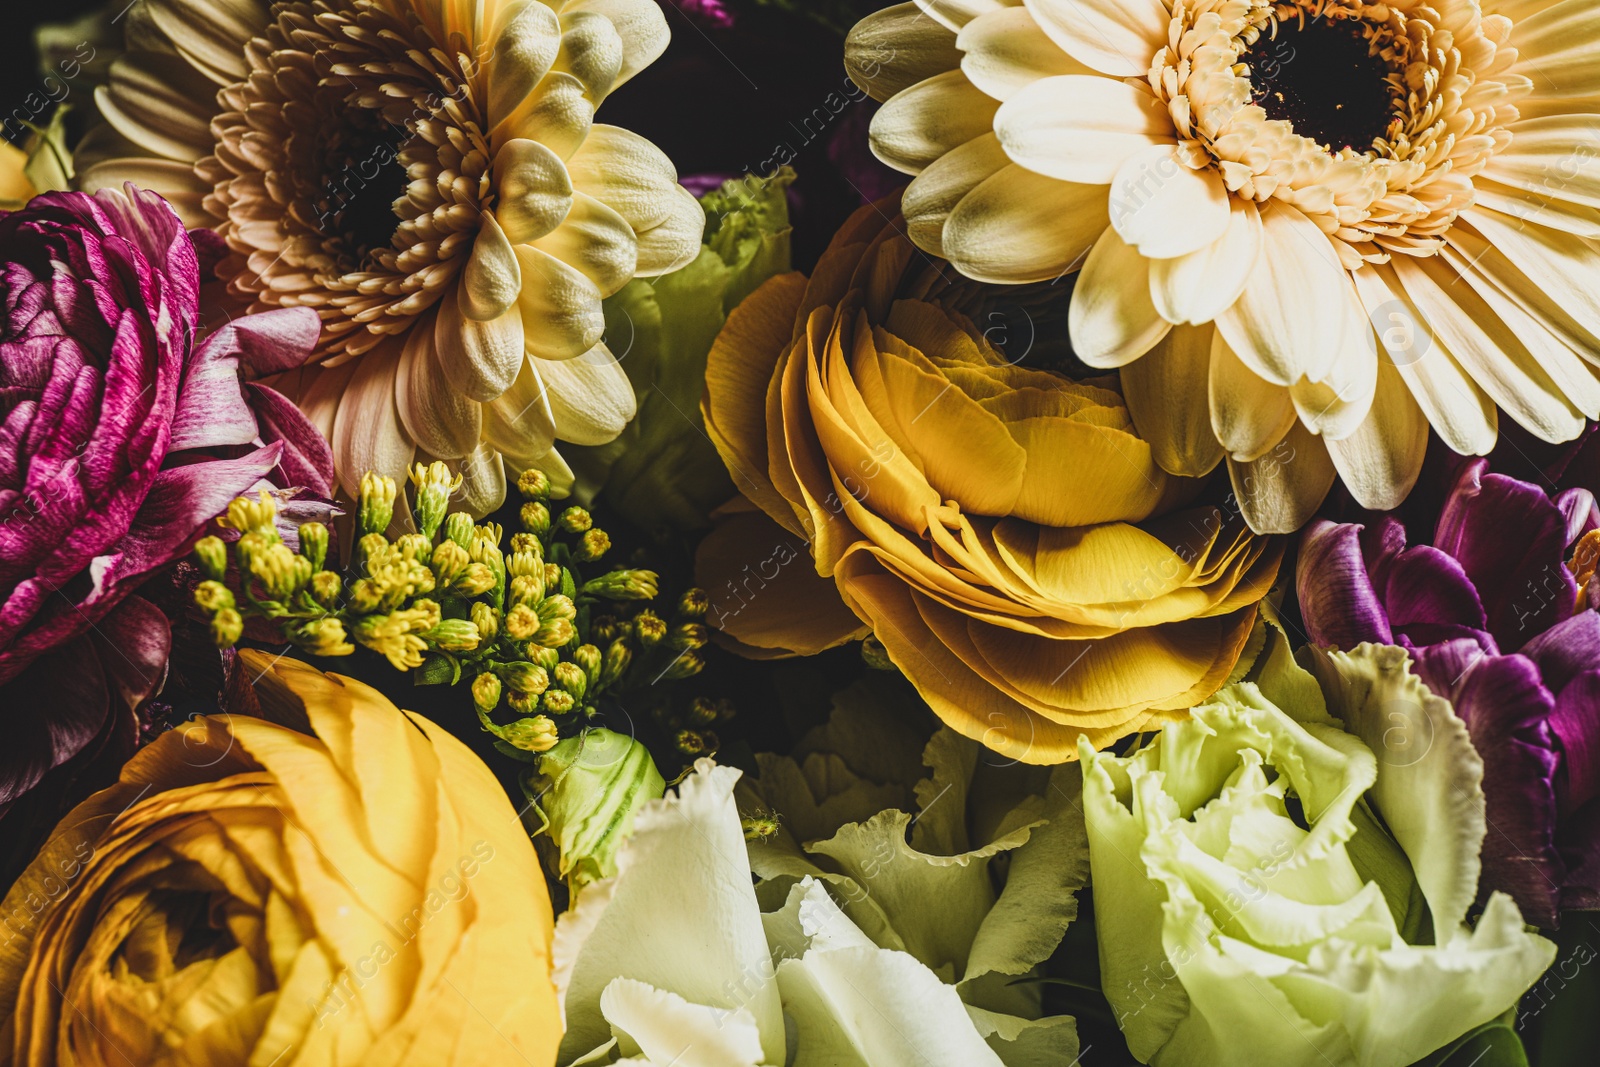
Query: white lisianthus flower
point(1251, 907)
point(671, 961)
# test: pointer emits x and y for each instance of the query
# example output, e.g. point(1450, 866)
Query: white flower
point(1249, 904)
point(1307, 229)
point(672, 962)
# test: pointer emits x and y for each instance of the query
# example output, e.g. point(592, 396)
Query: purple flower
point(1489, 612)
point(121, 434)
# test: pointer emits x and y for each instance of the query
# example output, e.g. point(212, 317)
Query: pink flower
point(121, 434)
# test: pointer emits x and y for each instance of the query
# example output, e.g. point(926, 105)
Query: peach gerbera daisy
point(427, 175)
point(1305, 231)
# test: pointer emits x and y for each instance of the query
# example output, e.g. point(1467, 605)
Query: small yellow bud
point(521, 622)
point(592, 545)
point(588, 657)
point(212, 556)
point(570, 676)
point(556, 633)
point(486, 619)
point(527, 678)
point(325, 586)
point(688, 635)
point(526, 542)
point(624, 585)
point(523, 563)
point(522, 703)
point(226, 626)
point(575, 520)
point(649, 629)
point(212, 597)
point(259, 515)
point(535, 518)
point(557, 607)
point(486, 692)
point(454, 635)
point(526, 589)
point(476, 580)
point(449, 560)
point(552, 575)
point(323, 637)
point(458, 528)
point(376, 508)
point(688, 664)
point(617, 660)
point(534, 484)
point(537, 734)
point(693, 604)
point(314, 543)
point(557, 702)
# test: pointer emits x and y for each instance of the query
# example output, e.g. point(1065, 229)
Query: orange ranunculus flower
point(355, 892)
point(1002, 529)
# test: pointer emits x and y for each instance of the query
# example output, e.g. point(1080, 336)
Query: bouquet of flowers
point(967, 532)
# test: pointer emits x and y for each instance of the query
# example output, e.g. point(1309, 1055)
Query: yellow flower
point(1002, 529)
point(358, 891)
point(1325, 223)
point(428, 176)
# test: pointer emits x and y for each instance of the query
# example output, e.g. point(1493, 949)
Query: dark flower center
point(1323, 79)
point(360, 178)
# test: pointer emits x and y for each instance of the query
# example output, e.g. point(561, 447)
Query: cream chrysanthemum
point(428, 176)
point(1306, 230)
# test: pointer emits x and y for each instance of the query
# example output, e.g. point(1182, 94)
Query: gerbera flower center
point(1325, 78)
point(359, 176)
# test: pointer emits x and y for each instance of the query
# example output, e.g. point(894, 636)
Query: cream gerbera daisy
point(428, 176)
point(1305, 230)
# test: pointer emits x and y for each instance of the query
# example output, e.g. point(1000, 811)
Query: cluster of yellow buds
point(536, 627)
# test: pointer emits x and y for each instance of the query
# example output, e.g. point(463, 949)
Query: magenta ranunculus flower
point(121, 434)
point(1490, 614)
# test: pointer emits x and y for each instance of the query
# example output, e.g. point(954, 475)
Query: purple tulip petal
point(1425, 586)
point(135, 641)
point(1443, 665)
point(1567, 649)
point(1576, 723)
point(1510, 539)
point(1581, 511)
point(1337, 599)
point(270, 342)
point(1507, 713)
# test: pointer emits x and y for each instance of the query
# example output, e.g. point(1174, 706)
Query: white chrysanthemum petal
point(1544, 163)
point(1005, 51)
point(483, 480)
point(1279, 492)
point(934, 193)
point(557, 114)
point(176, 182)
point(1115, 37)
point(1555, 275)
point(535, 190)
point(367, 432)
point(1167, 394)
point(626, 173)
point(640, 24)
point(1018, 226)
point(1163, 208)
point(954, 14)
point(1248, 413)
point(673, 242)
point(1380, 461)
point(559, 305)
point(490, 284)
point(524, 50)
point(920, 124)
point(1464, 417)
point(478, 359)
point(443, 422)
point(211, 34)
point(1563, 215)
point(519, 421)
point(1198, 287)
point(1080, 127)
point(1558, 49)
point(591, 51)
point(149, 99)
point(590, 397)
point(897, 47)
point(1292, 318)
point(1486, 349)
point(1111, 318)
point(596, 240)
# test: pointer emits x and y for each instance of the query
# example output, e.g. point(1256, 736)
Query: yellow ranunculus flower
point(1000, 527)
point(358, 891)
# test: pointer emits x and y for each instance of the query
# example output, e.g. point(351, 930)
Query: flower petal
point(1111, 318)
point(1018, 226)
point(1201, 285)
point(590, 397)
point(1337, 599)
point(1278, 492)
point(1164, 208)
point(443, 422)
point(1005, 51)
point(1380, 462)
point(1165, 390)
point(919, 124)
point(1079, 127)
point(1248, 414)
point(897, 47)
point(367, 432)
point(1116, 37)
